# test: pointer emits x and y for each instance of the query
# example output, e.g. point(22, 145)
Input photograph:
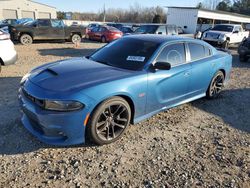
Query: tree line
point(135, 14)
point(235, 6)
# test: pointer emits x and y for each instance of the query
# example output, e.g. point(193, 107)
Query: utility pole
point(104, 13)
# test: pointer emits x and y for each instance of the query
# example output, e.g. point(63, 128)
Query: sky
point(96, 5)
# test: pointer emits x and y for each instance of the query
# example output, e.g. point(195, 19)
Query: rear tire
point(216, 85)
point(103, 39)
point(243, 58)
point(76, 38)
point(26, 39)
point(109, 121)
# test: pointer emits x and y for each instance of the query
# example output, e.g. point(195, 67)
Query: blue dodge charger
point(97, 97)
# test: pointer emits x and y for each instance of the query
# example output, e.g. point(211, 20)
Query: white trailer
point(191, 19)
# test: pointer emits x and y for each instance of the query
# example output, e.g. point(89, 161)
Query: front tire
point(225, 44)
point(76, 38)
point(109, 121)
point(216, 85)
point(103, 39)
point(26, 39)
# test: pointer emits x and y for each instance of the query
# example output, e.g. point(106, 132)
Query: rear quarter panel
point(224, 63)
point(69, 30)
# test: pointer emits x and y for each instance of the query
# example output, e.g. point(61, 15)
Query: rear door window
point(57, 23)
point(198, 51)
point(44, 23)
point(174, 54)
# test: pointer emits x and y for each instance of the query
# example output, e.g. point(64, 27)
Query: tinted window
point(162, 30)
point(102, 29)
point(150, 29)
point(44, 23)
point(173, 54)
point(95, 29)
point(126, 53)
point(57, 23)
point(198, 51)
point(207, 51)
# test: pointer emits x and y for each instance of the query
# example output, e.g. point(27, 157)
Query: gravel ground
point(205, 143)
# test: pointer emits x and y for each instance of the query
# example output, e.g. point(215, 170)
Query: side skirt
point(144, 117)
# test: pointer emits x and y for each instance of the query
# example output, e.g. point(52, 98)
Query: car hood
point(75, 74)
point(217, 32)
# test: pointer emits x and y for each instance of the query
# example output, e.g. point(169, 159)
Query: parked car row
point(109, 32)
point(26, 31)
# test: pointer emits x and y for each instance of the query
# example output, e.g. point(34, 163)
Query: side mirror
point(236, 32)
point(162, 66)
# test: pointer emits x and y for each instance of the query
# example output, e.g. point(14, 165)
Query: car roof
point(230, 24)
point(160, 39)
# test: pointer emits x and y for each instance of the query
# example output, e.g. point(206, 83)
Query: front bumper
point(214, 42)
point(54, 128)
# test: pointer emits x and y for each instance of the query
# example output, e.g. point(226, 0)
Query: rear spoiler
point(223, 50)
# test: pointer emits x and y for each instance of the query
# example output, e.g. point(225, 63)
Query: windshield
point(227, 28)
point(151, 29)
point(126, 53)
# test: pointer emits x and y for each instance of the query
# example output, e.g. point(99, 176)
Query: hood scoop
point(51, 71)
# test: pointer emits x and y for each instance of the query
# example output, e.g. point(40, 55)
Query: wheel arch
point(127, 98)
point(27, 33)
point(131, 104)
point(75, 32)
point(223, 71)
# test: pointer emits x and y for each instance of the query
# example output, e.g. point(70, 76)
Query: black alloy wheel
point(216, 85)
point(109, 121)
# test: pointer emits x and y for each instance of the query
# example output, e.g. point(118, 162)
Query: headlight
point(62, 105)
point(222, 37)
point(24, 78)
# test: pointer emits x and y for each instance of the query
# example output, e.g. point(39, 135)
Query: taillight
point(4, 36)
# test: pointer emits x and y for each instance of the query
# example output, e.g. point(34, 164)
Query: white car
point(8, 53)
point(225, 34)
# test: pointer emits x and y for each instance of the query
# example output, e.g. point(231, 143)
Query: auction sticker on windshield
point(136, 58)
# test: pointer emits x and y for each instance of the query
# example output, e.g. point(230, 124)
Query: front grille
point(35, 100)
point(213, 35)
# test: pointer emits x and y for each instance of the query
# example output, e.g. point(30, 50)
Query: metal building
point(191, 19)
point(16, 9)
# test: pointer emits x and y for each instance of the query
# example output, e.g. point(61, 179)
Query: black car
point(116, 25)
point(161, 29)
point(244, 50)
point(126, 29)
point(46, 29)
